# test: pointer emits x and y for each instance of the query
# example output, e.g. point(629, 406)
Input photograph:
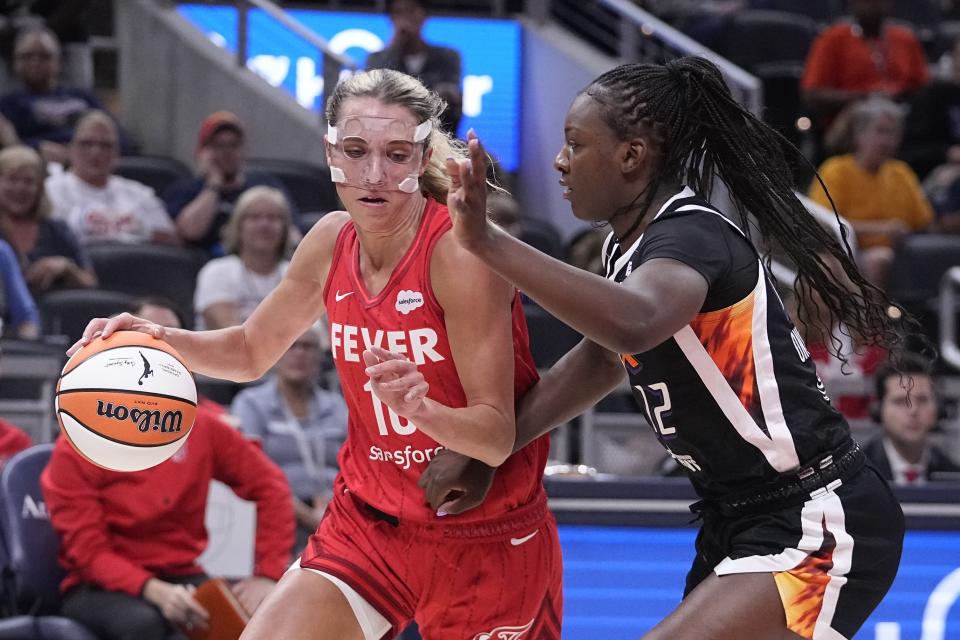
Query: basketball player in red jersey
point(799, 538)
point(390, 276)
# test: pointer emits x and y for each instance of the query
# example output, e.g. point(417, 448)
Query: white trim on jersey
point(778, 448)
point(604, 252)
point(627, 255)
point(728, 401)
point(825, 511)
point(766, 379)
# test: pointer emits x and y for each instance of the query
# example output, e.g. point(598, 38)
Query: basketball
point(126, 403)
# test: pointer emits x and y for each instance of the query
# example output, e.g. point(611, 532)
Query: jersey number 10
point(395, 421)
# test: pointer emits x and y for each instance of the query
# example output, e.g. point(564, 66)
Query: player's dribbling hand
point(106, 326)
point(467, 197)
point(395, 381)
point(455, 483)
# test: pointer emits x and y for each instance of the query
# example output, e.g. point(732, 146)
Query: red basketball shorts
point(496, 579)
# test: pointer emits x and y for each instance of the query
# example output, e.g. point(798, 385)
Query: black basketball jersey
point(733, 396)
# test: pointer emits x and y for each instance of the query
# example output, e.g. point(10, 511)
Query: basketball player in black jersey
point(799, 538)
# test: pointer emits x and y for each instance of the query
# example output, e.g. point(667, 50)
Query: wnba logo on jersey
point(506, 633)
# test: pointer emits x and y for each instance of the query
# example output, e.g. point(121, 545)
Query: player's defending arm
point(454, 483)
point(246, 352)
point(658, 299)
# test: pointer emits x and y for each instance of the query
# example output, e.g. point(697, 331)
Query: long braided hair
point(703, 132)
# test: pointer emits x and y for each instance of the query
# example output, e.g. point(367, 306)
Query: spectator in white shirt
point(99, 206)
point(257, 238)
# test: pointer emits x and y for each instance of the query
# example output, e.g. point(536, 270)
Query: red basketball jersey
point(385, 454)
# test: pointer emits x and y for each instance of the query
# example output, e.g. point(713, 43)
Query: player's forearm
point(479, 431)
point(223, 353)
point(609, 314)
point(583, 377)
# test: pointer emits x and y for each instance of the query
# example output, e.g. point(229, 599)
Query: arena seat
point(920, 14)
point(308, 184)
point(149, 269)
point(43, 628)
point(30, 371)
point(759, 40)
point(821, 11)
point(550, 338)
point(541, 235)
point(308, 219)
point(31, 572)
point(67, 312)
point(919, 262)
point(157, 172)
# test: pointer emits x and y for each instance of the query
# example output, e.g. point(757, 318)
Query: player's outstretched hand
point(106, 326)
point(395, 380)
point(455, 483)
point(467, 198)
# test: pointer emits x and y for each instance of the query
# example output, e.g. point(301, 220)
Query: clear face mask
point(375, 153)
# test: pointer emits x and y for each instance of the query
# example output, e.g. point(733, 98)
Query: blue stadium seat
point(31, 571)
point(43, 628)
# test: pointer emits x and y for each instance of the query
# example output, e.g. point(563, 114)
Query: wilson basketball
point(126, 403)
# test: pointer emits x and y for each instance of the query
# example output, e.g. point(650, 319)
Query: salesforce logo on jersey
point(490, 83)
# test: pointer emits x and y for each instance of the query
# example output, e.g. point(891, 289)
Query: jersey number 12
point(661, 395)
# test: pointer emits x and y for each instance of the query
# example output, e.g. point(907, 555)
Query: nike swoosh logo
point(340, 297)
point(519, 541)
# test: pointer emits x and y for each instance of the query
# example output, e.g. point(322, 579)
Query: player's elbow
point(500, 445)
point(495, 456)
point(250, 365)
point(627, 336)
point(251, 372)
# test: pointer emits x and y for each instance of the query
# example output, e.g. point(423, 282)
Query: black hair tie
point(680, 74)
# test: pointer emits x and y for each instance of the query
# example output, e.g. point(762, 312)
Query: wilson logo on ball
point(130, 379)
point(145, 419)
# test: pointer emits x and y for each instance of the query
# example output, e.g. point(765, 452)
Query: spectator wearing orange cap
point(202, 205)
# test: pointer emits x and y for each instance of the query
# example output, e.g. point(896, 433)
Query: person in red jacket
point(130, 541)
point(12, 440)
point(866, 55)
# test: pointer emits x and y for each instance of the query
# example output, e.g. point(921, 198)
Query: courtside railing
point(624, 30)
point(949, 348)
point(332, 62)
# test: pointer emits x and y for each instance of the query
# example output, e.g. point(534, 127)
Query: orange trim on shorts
point(802, 589)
